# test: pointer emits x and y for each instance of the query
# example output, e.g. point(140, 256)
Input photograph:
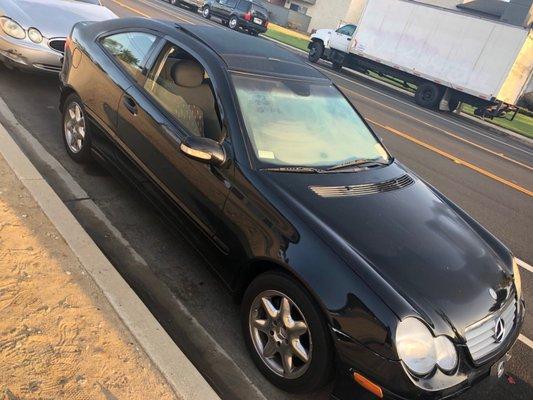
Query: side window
point(347, 30)
point(231, 3)
point(130, 49)
point(180, 84)
point(244, 6)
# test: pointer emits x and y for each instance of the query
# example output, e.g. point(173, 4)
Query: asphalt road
point(487, 173)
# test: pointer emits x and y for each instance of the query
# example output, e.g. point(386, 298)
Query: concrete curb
point(180, 373)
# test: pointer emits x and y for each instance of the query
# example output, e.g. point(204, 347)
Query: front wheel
point(233, 23)
point(286, 333)
point(76, 132)
point(206, 12)
point(316, 51)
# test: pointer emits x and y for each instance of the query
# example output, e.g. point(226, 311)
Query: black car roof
point(251, 54)
point(239, 52)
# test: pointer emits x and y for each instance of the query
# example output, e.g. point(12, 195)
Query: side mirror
point(204, 150)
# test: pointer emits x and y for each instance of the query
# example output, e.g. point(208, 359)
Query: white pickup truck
point(450, 56)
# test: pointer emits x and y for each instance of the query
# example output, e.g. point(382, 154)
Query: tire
point(335, 66)
point(233, 23)
point(173, 2)
point(316, 51)
point(206, 12)
point(428, 95)
point(275, 336)
point(75, 125)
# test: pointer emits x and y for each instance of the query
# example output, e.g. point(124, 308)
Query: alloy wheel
point(206, 12)
point(74, 127)
point(233, 23)
point(280, 334)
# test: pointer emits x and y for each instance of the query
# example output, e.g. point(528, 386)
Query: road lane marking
point(131, 8)
point(526, 341)
point(524, 265)
point(501, 155)
point(455, 159)
point(173, 13)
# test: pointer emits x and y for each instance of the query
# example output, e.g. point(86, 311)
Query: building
point(332, 13)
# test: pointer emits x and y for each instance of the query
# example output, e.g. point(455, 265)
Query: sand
point(59, 337)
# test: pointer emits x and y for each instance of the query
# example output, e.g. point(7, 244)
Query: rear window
point(260, 9)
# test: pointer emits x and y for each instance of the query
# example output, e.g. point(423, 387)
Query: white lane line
point(173, 13)
point(526, 341)
point(524, 265)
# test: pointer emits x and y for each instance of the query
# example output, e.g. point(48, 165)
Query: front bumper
point(29, 56)
point(397, 384)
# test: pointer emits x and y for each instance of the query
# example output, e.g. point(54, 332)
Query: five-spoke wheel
point(76, 135)
point(286, 333)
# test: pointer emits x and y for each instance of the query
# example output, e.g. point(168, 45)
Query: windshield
point(293, 123)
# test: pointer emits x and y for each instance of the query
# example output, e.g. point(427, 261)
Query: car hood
point(413, 238)
point(54, 18)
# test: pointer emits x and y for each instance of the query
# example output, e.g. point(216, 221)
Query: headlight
point(34, 35)
point(416, 346)
point(421, 351)
point(12, 28)
point(446, 354)
point(517, 279)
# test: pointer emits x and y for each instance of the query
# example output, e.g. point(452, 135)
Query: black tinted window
point(130, 49)
point(243, 6)
point(229, 3)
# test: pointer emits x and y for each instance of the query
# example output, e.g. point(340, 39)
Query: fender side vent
point(363, 189)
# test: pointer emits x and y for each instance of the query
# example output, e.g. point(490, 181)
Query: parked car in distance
point(194, 5)
point(346, 263)
point(238, 14)
point(33, 32)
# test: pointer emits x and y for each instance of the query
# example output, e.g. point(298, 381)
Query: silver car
point(33, 32)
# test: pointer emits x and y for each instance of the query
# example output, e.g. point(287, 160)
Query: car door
point(342, 37)
point(225, 8)
point(153, 120)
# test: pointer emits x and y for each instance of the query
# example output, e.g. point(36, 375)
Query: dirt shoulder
point(59, 337)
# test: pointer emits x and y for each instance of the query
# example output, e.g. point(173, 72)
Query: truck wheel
point(336, 66)
point(428, 95)
point(316, 51)
point(233, 23)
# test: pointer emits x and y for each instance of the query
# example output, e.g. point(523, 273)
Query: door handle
point(130, 104)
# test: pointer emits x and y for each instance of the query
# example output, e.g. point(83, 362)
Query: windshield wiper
point(359, 162)
point(296, 169)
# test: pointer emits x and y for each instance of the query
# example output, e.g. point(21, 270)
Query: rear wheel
point(316, 51)
point(286, 333)
point(206, 12)
point(428, 95)
point(76, 132)
point(233, 23)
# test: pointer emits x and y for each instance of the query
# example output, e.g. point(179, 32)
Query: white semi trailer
point(449, 55)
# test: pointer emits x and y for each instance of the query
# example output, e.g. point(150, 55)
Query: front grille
point(57, 44)
point(363, 189)
point(480, 337)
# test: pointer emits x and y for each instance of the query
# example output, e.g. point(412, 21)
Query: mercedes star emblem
point(499, 330)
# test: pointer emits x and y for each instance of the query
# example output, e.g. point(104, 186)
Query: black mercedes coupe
point(347, 265)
